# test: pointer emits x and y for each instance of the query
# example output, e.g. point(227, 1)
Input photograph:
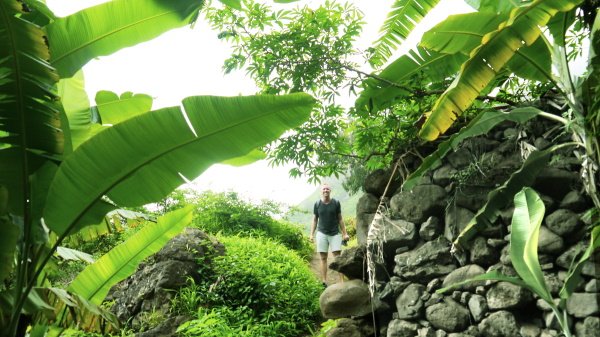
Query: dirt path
point(315, 266)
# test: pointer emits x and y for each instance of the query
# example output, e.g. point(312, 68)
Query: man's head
point(325, 191)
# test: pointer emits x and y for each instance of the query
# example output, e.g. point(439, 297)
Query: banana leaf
point(114, 109)
point(574, 276)
point(487, 60)
point(480, 125)
point(8, 244)
point(400, 21)
point(112, 26)
point(158, 151)
point(503, 195)
point(94, 282)
point(503, 6)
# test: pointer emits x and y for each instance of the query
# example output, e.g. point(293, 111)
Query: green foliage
point(259, 288)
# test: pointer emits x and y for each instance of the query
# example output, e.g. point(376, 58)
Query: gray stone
point(556, 182)
point(345, 328)
point(478, 307)
point(363, 221)
point(393, 288)
point(583, 304)
point(409, 304)
point(430, 229)
point(449, 316)
point(548, 333)
point(590, 327)
point(504, 295)
point(482, 254)
point(420, 203)
point(376, 181)
point(397, 234)
point(471, 197)
point(444, 175)
point(591, 268)
point(574, 201)
point(541, 143)
point(426, 332)
point(456, 219)
point(351, 262)
point(499, 324)
point(434, 299)
point(425, 263)
point(166, 328)
point(367, 203)
point(346, 299)
point(434, 285)
point(464, 297)
point(593, 286)
point(496, 243)
point(564, 260)
point(459, 158)
point(462, 274)
point(563, 221)
point(549, 242)
point(440, 333)
point(553, 283)
point(544, 306)
point(551, 322)
point(401, 328)
point(530, 330)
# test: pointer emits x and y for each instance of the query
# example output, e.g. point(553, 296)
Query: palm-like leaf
point(114, 109)
point(94, 282)
point(30, 119)
point(112, 26)
point(155, 152)
point(401, 20)
point(433, 66)
point(487, 60)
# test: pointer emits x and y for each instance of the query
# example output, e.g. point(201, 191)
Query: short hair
point(325, 185)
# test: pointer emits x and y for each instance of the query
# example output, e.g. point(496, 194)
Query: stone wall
point(418, 259)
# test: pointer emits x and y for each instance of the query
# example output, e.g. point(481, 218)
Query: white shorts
point(327, 243)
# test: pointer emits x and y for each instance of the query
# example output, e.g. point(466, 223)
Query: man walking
point(327, 222)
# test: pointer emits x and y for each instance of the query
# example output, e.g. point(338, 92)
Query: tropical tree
point(63, 165)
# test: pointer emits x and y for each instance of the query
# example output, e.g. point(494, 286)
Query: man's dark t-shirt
point(327, 215)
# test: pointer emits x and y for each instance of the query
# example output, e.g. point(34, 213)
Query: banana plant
point(526, 221)
point(52, 186)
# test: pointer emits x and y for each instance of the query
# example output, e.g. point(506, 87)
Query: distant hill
point(337, 192)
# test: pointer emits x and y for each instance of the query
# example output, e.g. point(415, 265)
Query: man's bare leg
point(324, 266)
point(336, 254)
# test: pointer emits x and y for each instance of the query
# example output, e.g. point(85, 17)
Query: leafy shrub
point(259, 288)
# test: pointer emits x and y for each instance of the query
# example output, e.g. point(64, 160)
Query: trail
point(315, 266)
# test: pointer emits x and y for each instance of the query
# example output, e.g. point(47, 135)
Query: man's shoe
point(324, 285)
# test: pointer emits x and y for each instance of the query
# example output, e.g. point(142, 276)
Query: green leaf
point(94, 282)
point(158, 151)
point(114, 109)
point(487, 60)
point(503, 195)
point(74, 255)
point(400, 21)
point(76, 104)
point(493, 275)
point(249, 158)
point(111, 26)
point(574, 276)
point(495, 6)
point(8, 244)
point(380, 94)
point(480, 125)
point(237, 4)
point(533, 62)
point(30, 119)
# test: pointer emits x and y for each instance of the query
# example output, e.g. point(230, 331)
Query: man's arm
point(345, 235)
point(313, 228)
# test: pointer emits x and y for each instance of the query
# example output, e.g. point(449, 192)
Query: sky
point(186, 62)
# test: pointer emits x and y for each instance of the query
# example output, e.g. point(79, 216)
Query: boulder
point(448, 315)
point(377, 180)
point(590, 327)
point(583, 304)
point(419, 203)
point(397, 234)
point(351, 263)
point(425, 263)
point(462, 274)
point(444, 175)
point(478, 307)
point(367, 203)
point(549, 242)
point(363, 221)
point(409, 304)
point(430, 229)
point(575, 201)
point(556, 182)
point(456, 219)
point(499, 324)
point(563, 221)
point(402, 328)
point(504, 295)
point(483, 254)
point(346, 299)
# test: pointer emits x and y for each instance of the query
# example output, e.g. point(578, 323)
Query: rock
point(420, 203)
point(350, 298)
point(499, 324)
point(397, 234)
point(402, 328)
point(553, 283)
point(583, 304)
point(393, 288)
point(434, 299)
point(593, 286)
point(459, 158)
point(556, 182)
point(564, 260)
point(150, 288)
point(376, 181)
point(448, 316)
point(425, 263)
point(456, 220)
point(471, 197)
point(345, 327)
point(166, 328)
point(367, 203)
point(591, 268)
point(541, 143)
point(563, 221)
point(444, 175)
point(548, 242)
point(462, 274)
point(504, 295)
point(409, 304)
point(552, 323)
point(544, 306)
point(430, 229)
point(434, 285)
point(441, 333)
point(351, 262)
point(426, 332)
point(590, 327)
point(482, 254)
point(529, 330)
point(574, 201)
point(478, 307)
point(363, 221)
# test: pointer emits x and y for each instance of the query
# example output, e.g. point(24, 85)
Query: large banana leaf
point(574, 278)
point(400, 21)
point(487, 60)
point(480, 125)
point(8, 244)
point(463, 32)
point(111, 26)
point(433, 66)
point(143, 159)
point(503, 195)
point(30, 119)
point(503, 6)
point(114, 109)
point(94, 282)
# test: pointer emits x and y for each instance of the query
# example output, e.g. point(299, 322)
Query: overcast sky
point(186, 62)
